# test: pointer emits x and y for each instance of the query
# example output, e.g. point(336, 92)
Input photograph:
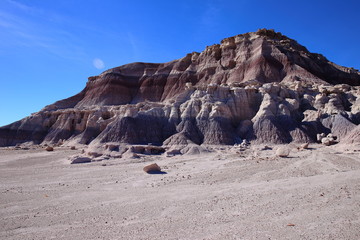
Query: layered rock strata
point(263, 87)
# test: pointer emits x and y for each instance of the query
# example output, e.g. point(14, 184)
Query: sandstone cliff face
point(263, 87)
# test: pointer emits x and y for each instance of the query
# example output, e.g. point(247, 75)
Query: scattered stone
point(79, 159)
point(73, 148)
point(49, 149)
point(304, 146)
point(283, 152)
point(137, 149)
point(21, 148)
point(150, 150)
point(266, 148)
point(320, 136)
point(326, 141)
point(154, 150)
point(330, 135)
point(100, 159)
point(112, 147)
point(94, 154)
point(244, 144)
point(173, 152)
point(152, 168)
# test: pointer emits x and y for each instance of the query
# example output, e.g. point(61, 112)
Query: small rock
point(330, 135)
point(137, 149)
point(173, 152)
point(304, 146)
point(154, 150)
point(94, 154)
point(320, 136)
point(282, 152)
point(79, 159)
point(49, 149)
point(326, 141)
point(152, 168)
point(244, 143)
point(73, 148)
point(266, 148)
point(112, 147)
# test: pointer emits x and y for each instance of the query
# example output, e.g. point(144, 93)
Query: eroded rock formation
point(262, 86)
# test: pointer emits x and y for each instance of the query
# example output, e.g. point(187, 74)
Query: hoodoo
point(260, 86)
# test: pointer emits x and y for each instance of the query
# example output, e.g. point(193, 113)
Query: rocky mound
point(353, 136)
point(262, 87)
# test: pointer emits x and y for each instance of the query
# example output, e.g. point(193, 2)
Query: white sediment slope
point(225, 194)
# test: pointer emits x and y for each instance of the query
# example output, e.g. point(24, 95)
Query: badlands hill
point(260, 86)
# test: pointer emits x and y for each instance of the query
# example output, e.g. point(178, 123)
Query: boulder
point(154, 150)
point(320, 136)
point(112, 147)
point(79, 159)
point(152, 168)
point(304, 146)
point(94, 154)
point(49, 149)
point(283, 151)
point(137, 149)
point(326, 141)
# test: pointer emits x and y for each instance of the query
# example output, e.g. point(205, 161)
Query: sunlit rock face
point(262, 86)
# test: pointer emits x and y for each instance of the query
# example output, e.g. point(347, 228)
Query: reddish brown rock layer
point(258, 86)
point(264, 56)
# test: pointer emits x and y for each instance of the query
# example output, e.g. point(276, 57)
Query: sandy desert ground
point(226, 194)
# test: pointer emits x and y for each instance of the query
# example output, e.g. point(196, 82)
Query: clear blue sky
point(49, 48)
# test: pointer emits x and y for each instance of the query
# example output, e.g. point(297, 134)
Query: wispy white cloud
point(55, 33)
point(22, 6)
point(26, 26)
point(133, 43)
point(98, 63)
